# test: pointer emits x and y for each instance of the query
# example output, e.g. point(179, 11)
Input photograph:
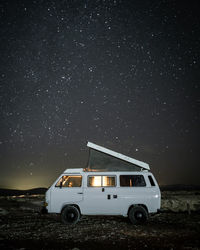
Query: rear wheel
point(70, 215)
point(138, 215)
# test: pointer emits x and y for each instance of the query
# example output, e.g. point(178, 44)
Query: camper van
point(130, 193)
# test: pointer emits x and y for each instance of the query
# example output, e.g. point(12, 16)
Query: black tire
point(70, 215)
point(44, 210)
point(138, 215)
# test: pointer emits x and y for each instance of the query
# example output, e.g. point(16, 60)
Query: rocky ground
point(22, 226)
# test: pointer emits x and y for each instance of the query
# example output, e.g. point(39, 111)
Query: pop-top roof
point(118, 155)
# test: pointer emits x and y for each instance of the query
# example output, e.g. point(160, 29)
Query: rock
point(3, 211)
point(180, 203)
point(26, 208)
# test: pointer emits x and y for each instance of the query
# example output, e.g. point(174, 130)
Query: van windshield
point(70, 181)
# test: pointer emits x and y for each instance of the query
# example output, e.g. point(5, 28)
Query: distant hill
point(180, 187)
point(10, 192)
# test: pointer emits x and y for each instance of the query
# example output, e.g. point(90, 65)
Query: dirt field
point(22, 226)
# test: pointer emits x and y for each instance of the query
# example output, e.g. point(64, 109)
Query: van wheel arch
point(73, 205)
point(136, 205)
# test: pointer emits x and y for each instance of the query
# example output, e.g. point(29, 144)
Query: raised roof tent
point(117, 161)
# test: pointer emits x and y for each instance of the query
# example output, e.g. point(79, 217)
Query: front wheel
point(70, 215)
point(138, 215)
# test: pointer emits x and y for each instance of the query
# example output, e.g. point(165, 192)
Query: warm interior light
point(96, 181)
point(105, 181)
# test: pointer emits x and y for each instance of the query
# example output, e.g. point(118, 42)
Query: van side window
point(151, 180)
point(108, 181)
point(101, 181)
point(70, 181)
point(94, 181)
point(132, 181)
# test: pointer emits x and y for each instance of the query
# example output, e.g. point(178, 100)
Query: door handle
point(79, 193)
point(115, 196)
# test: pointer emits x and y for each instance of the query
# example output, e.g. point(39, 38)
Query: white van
point(78, 192)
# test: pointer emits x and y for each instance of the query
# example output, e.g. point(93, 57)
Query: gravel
point(22, 226)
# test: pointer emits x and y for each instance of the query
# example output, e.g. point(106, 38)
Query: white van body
point(104, 193)
point(103, 200)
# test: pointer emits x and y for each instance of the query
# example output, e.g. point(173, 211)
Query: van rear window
point(70, 181)
point(151, 180)
point(132, 181)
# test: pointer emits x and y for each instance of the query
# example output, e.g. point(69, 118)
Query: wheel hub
point(71, 215)
point(139, 216)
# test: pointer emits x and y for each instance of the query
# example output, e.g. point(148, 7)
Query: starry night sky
point(122, 74)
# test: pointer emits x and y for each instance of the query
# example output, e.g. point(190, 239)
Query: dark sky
point(122, 74)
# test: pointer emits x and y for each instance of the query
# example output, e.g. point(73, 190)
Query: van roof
point(81, 170)
point(118, 155)
point(73, 170)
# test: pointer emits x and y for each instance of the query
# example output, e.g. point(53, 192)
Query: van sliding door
point(100, 196)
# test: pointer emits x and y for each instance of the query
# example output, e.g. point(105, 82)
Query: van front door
point(68, 190)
